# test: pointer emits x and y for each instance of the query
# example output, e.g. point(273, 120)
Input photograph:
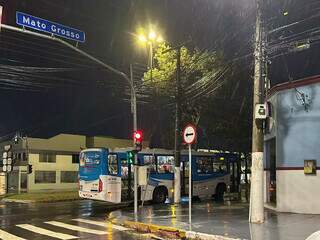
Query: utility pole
point(256, 211)
point(177, 139)
point(135, 128)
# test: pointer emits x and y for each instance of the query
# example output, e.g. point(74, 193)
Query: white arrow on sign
point(189, 134)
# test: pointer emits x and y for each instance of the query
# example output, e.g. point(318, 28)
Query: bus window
point(204, 165)
point(89, 158)
point(219, 167)
point(165, 164)
point(150, 162)
point(113, 164)
point(124, 168)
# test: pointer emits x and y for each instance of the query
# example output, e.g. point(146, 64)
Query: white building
point(291, 141)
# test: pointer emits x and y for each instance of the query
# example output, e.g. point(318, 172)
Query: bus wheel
point(160, 195)
point(221, 188)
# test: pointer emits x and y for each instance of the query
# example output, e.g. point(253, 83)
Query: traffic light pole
point(135, 128)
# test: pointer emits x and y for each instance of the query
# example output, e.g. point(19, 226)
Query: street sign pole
point(189, 137)
point(190, 186)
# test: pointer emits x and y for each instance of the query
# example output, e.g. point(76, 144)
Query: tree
point(200, 78)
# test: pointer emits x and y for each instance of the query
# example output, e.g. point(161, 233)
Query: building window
point(47, 157)
point(165, 164)
point(45, 177)
point(75, 158)
point(69, 177)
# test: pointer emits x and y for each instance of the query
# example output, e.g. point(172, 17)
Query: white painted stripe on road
point(101, 224)
point(46, 232)
point(76, 228)
point(7, 236)
point(314, 236)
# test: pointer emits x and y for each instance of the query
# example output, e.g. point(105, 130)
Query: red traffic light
point(137, 135)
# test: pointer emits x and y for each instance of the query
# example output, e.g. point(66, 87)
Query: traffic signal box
point(130, 157)
point(137, 136)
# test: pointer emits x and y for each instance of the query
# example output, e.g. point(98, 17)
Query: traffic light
point(137, 136)
point(130, 157)
point(29, 169)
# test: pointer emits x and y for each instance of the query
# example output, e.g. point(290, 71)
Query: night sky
point(46, 88)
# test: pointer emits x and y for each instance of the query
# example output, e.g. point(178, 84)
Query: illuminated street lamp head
point(152, 35)
point(142, 38)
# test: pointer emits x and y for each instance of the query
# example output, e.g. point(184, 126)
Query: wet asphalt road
point(61, 220)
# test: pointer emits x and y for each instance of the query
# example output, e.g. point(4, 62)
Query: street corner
point(157, 230)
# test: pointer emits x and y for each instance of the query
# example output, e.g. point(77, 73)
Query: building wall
point(63, 163)
point(61, 142)
point(111, 142)
point(297, 130)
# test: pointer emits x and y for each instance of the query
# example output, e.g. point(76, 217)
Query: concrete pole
point(256, 211)
point(177, 178)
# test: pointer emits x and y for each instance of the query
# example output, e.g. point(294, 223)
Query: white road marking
point(314, 236)
point(76, 228)
point(102, 224)
point(7, 236)
point(46, 232)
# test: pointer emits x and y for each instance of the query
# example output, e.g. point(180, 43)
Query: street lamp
point(151, 39)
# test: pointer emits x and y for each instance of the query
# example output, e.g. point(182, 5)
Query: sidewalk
point(229, 220)
point(41, 197)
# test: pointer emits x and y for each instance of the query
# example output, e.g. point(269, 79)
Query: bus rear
point(92, 171)
point(96, 181)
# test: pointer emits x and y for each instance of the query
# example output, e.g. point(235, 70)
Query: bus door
point(113, 179)
point(126, 176)
point(235, 172)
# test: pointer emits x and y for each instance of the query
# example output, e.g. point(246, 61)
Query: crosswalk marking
point(102, 224)
point(76, 228)
point(46, 232)
point(7, 236)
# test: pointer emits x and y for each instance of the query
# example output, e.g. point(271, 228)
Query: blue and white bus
point(106, 174)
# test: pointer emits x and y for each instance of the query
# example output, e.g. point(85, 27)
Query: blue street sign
point(43, 25)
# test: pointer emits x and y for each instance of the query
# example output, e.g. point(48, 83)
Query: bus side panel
point(207, 187)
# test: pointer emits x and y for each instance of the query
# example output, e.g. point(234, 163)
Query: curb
point(161, 231)
point(17, 200)
point(168, 232)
